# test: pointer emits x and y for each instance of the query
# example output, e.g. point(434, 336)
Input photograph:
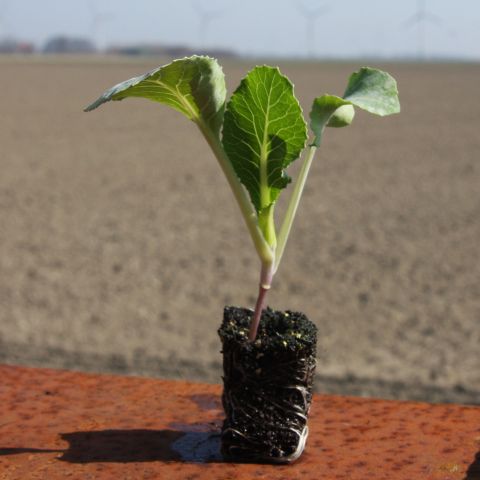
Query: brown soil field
point(120, 241)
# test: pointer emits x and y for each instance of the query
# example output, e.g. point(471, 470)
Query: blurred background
point(120, 242)
point(414, 29)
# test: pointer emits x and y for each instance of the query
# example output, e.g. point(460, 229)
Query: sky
point(343, 28)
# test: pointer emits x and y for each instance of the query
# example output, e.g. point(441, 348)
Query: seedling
point(257, 135)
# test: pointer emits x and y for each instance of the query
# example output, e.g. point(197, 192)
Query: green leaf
point(342, 117)
point(374, 91)
point(369, 89)
point(194, 86)
point(263, 132)
point(322, 112)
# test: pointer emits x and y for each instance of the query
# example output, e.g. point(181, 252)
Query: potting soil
point(267, 385)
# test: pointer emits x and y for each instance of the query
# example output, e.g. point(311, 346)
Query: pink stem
point(265, 281)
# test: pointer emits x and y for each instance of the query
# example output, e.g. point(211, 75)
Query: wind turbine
point(4, 26)
point(205, 18)
point(311, 16)
point(420, 19)
point(98, 19)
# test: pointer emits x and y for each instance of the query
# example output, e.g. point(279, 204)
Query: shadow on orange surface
point(124, 446)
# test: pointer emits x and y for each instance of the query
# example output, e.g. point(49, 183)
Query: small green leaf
point(322, 111)
point(263, 132)
point(194, 86)
point(370, 89)
point(374, 91)
point(342, 116)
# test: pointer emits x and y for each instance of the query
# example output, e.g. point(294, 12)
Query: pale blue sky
point(256, 27)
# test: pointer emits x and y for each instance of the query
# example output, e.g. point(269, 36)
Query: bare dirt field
point(120, 242)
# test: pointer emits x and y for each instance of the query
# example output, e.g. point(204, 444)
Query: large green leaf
point(369, 89)
point(194, 86)
point(263, 132)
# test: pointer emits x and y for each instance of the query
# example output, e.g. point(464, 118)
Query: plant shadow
point(473, 472)
point(125, 446)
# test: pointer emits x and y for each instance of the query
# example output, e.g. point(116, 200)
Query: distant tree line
point(63, 44)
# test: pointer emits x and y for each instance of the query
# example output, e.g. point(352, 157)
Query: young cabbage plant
point(257, 135)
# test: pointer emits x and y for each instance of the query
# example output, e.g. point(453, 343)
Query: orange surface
point(68, 425)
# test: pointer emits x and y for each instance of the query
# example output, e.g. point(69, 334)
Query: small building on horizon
point(13, 46)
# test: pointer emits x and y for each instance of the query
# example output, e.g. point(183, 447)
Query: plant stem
point(265, 252)
point(266, 277)
point(264, 242)
point(293, 205)
point(266, 223)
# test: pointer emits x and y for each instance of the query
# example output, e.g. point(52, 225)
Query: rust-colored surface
point(67, 425)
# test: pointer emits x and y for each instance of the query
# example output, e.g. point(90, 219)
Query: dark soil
point(277, 330)
point(267, 384)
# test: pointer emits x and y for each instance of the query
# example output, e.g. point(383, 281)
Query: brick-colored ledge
point(68, 425)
